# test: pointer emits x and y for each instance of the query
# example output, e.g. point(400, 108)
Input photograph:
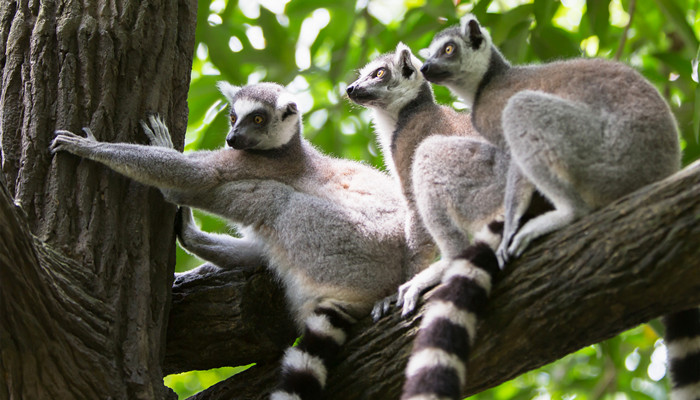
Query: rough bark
point(633, 261)
point(86, 267)
point(243, 313)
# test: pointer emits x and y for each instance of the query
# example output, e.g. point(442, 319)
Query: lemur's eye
point(449, 49)
point(258, 119)
point(233, 119)
point(380, 72)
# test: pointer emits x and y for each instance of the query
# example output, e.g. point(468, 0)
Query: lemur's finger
point(157, 124)
point(147, 130)
point(88, 134)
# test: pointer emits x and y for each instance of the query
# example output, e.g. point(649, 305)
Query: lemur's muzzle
point(433, 72)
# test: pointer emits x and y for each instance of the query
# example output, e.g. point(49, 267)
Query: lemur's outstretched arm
point(223, 250)
point(156, 165)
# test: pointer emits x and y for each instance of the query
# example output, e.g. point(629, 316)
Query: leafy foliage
point(316, 46)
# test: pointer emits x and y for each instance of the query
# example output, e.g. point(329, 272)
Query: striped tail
point(305, 367)
point(437, 368)
point(683, 346)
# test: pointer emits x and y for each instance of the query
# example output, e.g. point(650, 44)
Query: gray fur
point(585, 132)
point(223, 250)
point(450, 176)
point(315, 214)
point(332, 230)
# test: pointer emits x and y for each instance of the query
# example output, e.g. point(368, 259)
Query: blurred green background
point(315, 47)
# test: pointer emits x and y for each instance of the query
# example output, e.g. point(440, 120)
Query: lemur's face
point(263, 116)
point(388, 82)
point(457, 54)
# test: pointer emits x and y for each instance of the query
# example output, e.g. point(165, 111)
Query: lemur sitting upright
point(583, 132)
point(456, 181)
point(450, 176)
point(332, 230)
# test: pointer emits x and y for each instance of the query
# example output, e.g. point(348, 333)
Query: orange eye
point(449, 49)
point(258, 119)
point(380, 72)
point(233, 119)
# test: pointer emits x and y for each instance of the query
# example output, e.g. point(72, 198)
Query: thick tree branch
point(633, 261)
point(226, 317)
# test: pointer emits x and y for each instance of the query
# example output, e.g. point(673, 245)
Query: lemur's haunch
point(582, 132)
point(332, 230)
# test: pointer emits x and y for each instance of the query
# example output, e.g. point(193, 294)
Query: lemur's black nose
point(425, 68)
point(231, 141)
point(350, 89)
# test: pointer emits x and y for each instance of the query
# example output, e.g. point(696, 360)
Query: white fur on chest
point(385, 125)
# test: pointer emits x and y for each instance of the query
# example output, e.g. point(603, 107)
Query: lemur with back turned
point(582, 132)
point(331, 230)
point(451, 177)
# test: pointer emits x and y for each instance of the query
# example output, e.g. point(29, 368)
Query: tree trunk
point(631, 262)
point(86, 256)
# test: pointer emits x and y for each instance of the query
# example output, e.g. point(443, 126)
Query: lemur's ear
point(287, 102)
point(291, 109)
point(228, 90)
point(472, 31)
point(408, 63)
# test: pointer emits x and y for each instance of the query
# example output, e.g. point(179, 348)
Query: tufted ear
point(425, 53)
point(406, 60)
point(228, 90)
point(472, 31)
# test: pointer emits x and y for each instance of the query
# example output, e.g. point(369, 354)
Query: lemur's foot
point(522, 240)
point(184, 225)
point(502, 254)
point(382, 307)
point(158, 133)
point(408, 296)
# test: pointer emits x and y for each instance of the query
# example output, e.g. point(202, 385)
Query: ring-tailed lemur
point(332, 230)
point(450, 176)
point(584, 132)
point(456, 182)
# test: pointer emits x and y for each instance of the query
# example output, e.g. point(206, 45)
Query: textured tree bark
point(243, 312)
point(633, 261)
point(86, 265)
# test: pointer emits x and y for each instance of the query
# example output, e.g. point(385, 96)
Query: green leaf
point(551, 43)
point(598, 16)
point(501, 26)
point(544, 11)
point(676, 13)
